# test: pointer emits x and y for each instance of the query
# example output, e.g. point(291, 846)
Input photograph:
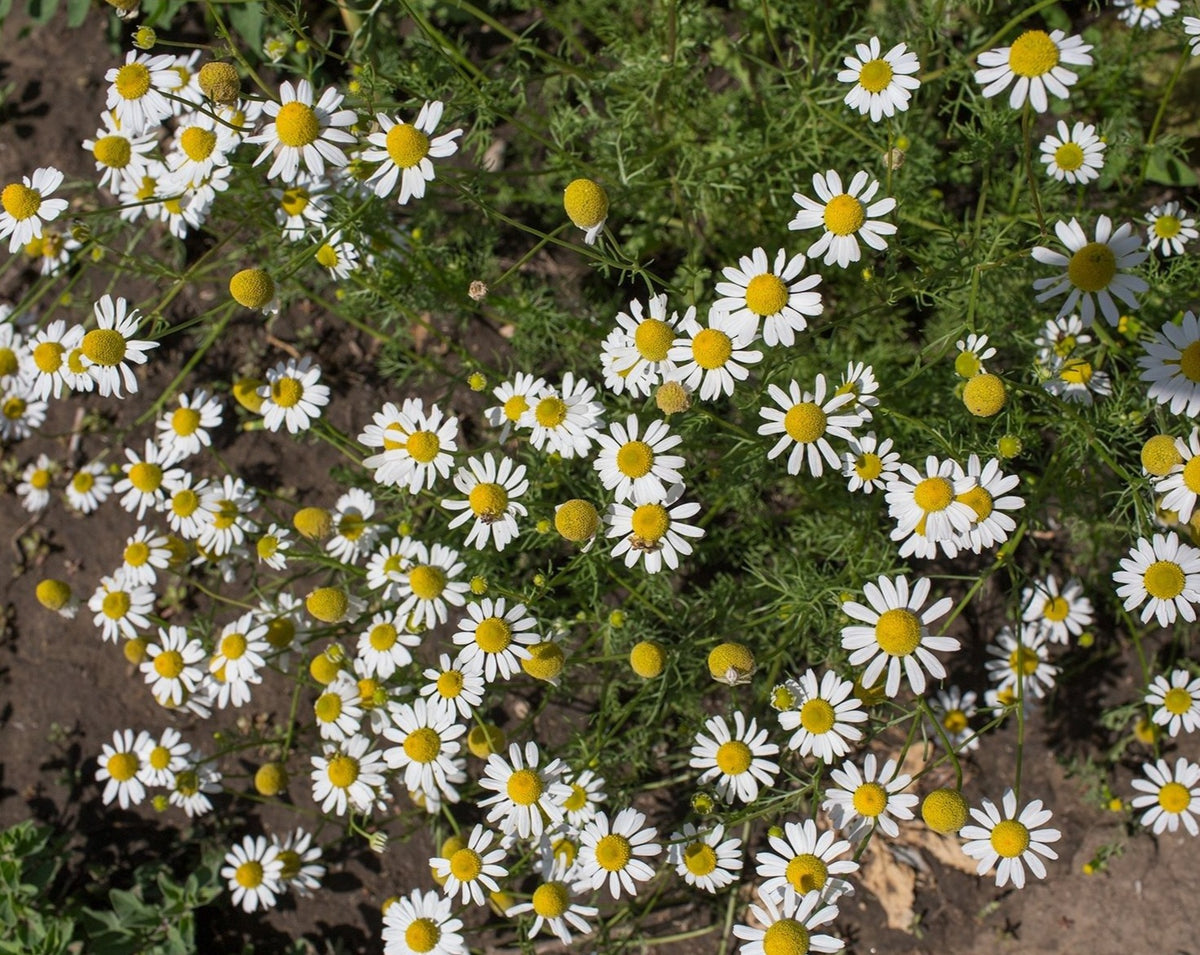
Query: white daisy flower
point(496, 637)
point(34, 489)
point(20, 413)
point(272, 546)
point(1169, 229)
point(1176, 702)
point(972, 353)
point(1146, 14)
point(516, 397)
point(200, 145)
point(1012, 841)
point(292, 396)
point(1171, 796)
point(615, 853)
point(421, 924)
point(587, 793)
point(143, 199)
point(119, 766)
point(253, 870)
point(302, 207)
point(822, 715)
point(883, 83)
point(1060, 338)
point(349, 775)
point(457, 686)
point(337, 713)
point(553, 904)
point(188, 506)
point(896, 630)
point(859, 380)
point(990, 504)
point(1093, 271)
point(869, 798)
point(1021, 663)
point(142, 486)
point(737, 761)
point(240, 648)
point(638, 468)
point(192, 788)
point(417, 447)
point(301, 869)
point(710, 360)
point(566, 419)
point(145, 554)
point(187, 430)
point(928, 504)
point(1164, 574)
point(427, 737)
point(337, 255)
point(869, 463)
point(120, 608)
point(705, 859)
point(656, 533)
point(806, 421)
point(845, 215)
point(774, 294)
point(122, 157)
point(1062, 612)
point(164, 757)
point(301, 130)
point(353, 535)
point(405, 152)
point(1180, 487)
point(429, 583)
point(173, 669)
point(491, 490)
point(786, 926)
point(804, 862)
point(472, 868)
point(1036, 61)
point(634, 356)
point(1075, 155)
point(109, 348)
point(50, 348)
point(52, 251)
point(1078, 381)
point(15, 353)
point(1171, 366)
point(526, 797)
point(229, 521)
point(136, 95)
point(953, 709)
point(384, 645)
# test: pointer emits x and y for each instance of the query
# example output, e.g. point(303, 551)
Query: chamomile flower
point(292, 396)
point(192, 788)
point(240, 647)
point(553, 904)
point(144, 477)
point(896, 634)
point(417, 446)
point(883, 82)
point(426, 735)
point(1146, 14)
point(384, 645)
point(1062, 612)
point(173, 669)
point(491, 490)
point(136, 97)
point(36, 479)
point(1170, 796)
point(806, 421)
point(349, 775)
point(301, 869)
point(337, 713)
point(254, 873)
point(353, 534)
point(1171, 366)
point(456, 686)
point(705, 859)
point(859, 380)
point(737, 761)
point(1036, 62)
point(526, 796)
point(20, 413)
point(187, 430)
point(786, 926)
point(1021, 662)
point(1093, 271)
point(929, 504)
point(471, 869)
point(845, 215)
point(587, 793)
point(616, 852)
point(873, 797)
point(15, 353)
point(1014, 841)
point(302, 207)
point(429, 583)
point(121, 157)
point(1075, 155)
point(634, 356)
point(1180, 487)
point(119, 766)
point(516, 397)
point(50, 348)
point(405, 152)
point(869, 463)
point(200, 146)
point(421, 924)
point(301, 131)
point(52, 251)
point(805, 862)
point(1163, 574)
point(657, 533)
point(109, 349)
point(1176, 702)
point(990, 504)
point(26, 205)
point(1169, 229)
point(638, 468)
point(145, 554)
point(822, 715)
point(972, 353)
point(227, 524)
point(1060, 338)
point(757, 290)
point(337, 255)
point(272, 545)
point(188, 506)
point(1078, 381)
point(953, 710)
point(120, 608)
point(497, 636)
point(89, 487)
point(566, 419)
point(164, 757)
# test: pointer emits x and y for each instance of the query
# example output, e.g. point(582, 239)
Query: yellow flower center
point(1167, 227)
point(423, 745)
point(806, 873)
point(427, 582)
point(342, 771)
point(1056, 609)
point(870, 799)
point(804, 422)
point(422, 935)
point(1092, 267)
point(286, 392)
point(898, 632)
point(1191, 474)
point(1189, 363)
point(112, 151)
point(577, 800)
point(40, 480)
point(466, 864)
point(551, 900)
point(1174, 797)
point(734, 757)
point(145, 477)
point(1077, 372)
point(1033, 54)
point(493, 634)
point(197, 143)
point(844, 215)
point(146, 189)
point(47, 356)
point(1068, 157)
point(185, 421)
point(711, 348)
point(169, 664)
point(875, 76)
point(185, 503)
point(407, 145)
point(978, 500)
point(766, 294)
point(954, 721)
point(699, 858)
point(653, 339)
point(20, 201)
point(104, 346)
point(1177, 701)
point(252, 288)
point(1164, 580)
point(291, 864)
point(327, 256)
point(159, 758)
point(133, 81)
point(423, 446)
point(944, 810)
point(450, 684)
point(785, 937)
point(115, 605)
point(515, 406)
point(817, 716)
point(294, 200)
point(635, 459)
point(328, 707)
point(550, 412)
point(174, 206)
point(488, 501)
point(868, 466)
point(122, 766)
point(297, 124)
point(1010, 838)
point(650, 522)
point(525, 787)
point(586, 203)
point(233, 646)
point(81, 482)
point(14, 407)
point(136, 554)
point(613, 852)
point(280, 632)
point(577, 520)
point(382, 637)
point(1023, 660)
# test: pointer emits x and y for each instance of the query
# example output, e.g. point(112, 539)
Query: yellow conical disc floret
point(252, 288)
point(648, 659)
point(485, 739)
point(586, 203)
point(53, 594)
point(327, 604)
point(984, 395)
point(730, 662)
point(577, 520)
point(672, 398)
point(324, 668)
point(545, 661)
point(315, 523)
point(270, 779)
point(245, 393)
point(220, 82)
point(1159, 455)
point(944, 810)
